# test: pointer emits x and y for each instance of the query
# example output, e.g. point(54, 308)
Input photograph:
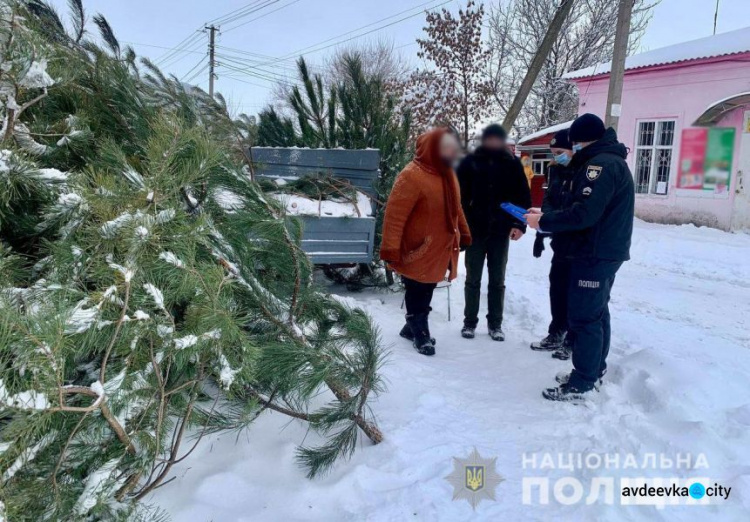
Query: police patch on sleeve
point(593, 172)
point(587, 191)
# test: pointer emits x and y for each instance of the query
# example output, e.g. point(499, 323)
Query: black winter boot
point(468, 332)
point(565, 351)
point(568, 393)
point(564, 378)
point(408, 335)
point(496, 333)
point(421, 332)
point(550, 343)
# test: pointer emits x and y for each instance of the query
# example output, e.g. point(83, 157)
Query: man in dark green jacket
point(600, 219)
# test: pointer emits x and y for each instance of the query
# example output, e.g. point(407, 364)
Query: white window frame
point(542, 162)
point(654, 148)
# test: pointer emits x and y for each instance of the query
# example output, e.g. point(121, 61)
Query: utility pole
point(616, 75)
point(211, 58)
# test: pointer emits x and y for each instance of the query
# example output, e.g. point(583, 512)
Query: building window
point(540, 163)
point(653, 156)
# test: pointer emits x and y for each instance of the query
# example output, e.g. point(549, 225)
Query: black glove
point(538, 245)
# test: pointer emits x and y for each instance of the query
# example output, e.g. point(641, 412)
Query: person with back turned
point(423, 230)
point(599, 217)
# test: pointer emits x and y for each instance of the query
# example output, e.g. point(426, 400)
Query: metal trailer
point(328, 240)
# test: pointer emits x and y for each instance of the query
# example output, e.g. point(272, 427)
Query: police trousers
point(591, 282)
point(559, 282)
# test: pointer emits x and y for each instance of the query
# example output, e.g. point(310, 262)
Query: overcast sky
point(268, 45)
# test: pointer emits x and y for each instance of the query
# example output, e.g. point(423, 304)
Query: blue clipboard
point(515, 211)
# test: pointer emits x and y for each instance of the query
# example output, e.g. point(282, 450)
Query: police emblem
point(593, 172)
point(474, 479)
point(552, 143)
point(587, 191)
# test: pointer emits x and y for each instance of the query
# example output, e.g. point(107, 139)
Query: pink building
point(685, 116)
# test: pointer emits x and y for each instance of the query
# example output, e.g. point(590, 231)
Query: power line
point(249, 67)
point(197, 74)
point(247, 11)
point(245, 81)
point(254, 71)
point(179, 48)
point(258, 75)
point(194, 68)
point(316, 47)
point(255, 63)
point(159, 47)
point(235, 12)
point(261, 16)
point(178, 57)
point(267, 60)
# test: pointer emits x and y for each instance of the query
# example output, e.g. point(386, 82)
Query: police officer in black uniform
point(556, 197)
point(600, 218)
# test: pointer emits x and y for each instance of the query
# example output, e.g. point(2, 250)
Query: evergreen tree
point(275, 130)
point(316, 115)
point(148, 288)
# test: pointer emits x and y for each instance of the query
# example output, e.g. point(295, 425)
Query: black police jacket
point(489, 178)
point(600, 207)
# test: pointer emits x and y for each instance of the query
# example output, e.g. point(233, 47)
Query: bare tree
point(379, 59)
point(516, 30)
point(550, 36)
point(453, 90)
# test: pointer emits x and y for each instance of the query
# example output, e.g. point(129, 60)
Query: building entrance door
point(741, 214)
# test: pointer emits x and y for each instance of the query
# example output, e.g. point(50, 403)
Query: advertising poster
point(692, 156)
point(706, 159)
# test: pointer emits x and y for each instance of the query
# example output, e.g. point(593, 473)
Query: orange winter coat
point(424, 224)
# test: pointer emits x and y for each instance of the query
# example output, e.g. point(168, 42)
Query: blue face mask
point(562, 159)
point(577, 147)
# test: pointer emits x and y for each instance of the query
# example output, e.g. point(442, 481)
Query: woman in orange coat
point(424, 228)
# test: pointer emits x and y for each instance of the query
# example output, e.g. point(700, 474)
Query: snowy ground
point(679, 383)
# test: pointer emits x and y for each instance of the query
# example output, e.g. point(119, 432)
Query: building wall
point(680, 93)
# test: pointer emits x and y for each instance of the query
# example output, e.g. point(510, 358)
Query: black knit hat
point(494, 131)
point(588, 127)
point(561, 140)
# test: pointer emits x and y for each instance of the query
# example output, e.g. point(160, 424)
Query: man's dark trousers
point(591, 283)
point(493, 248)
point(559, 282)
